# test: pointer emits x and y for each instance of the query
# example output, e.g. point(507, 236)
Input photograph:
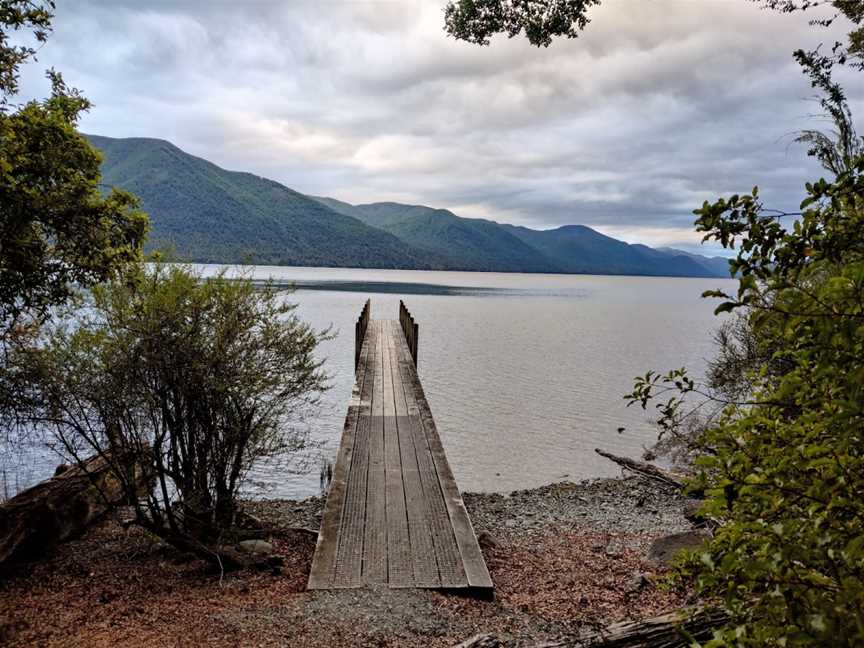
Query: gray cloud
point(657, 107)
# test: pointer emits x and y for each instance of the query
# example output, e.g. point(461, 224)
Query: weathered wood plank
point(323, 565)
point(466, 540)
point(447, 554)
point(399, 400)
point(400, 571)
point(423, 557)
point(433, 545)
point(375, 532)
point(348, 569)
point(433, 548)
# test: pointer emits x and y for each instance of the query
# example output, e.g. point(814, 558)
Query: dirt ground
point(118, 587)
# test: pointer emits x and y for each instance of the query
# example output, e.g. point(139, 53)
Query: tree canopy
point(17, 15)
point(57, 230)
point(476, 21)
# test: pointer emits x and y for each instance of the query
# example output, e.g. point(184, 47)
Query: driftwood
point(647, 470)
point(63, 507)
point(672, 630)
point(60, 508)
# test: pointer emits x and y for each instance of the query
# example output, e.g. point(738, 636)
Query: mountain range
point(210, 215)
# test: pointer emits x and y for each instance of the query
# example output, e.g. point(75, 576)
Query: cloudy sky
point(659, 105)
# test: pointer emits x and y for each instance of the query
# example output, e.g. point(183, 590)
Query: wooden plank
point(323, 564)
point(421, 513)
point(423, 554)
point(472, 558)
point(400, 570)
point(395, 334)
point(375, 532)
point(348, 569)
point(435, 513)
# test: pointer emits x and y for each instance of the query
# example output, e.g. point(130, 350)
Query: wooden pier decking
point(394, 514)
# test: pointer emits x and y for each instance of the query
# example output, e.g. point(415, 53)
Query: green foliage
point(849, 53)
point(784, 470)
point(56, 229)
point(837, 150)
point(17, 15)
point(200, 377)
point(476, 21)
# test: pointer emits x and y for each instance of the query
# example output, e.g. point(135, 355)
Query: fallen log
point(647, 470)
point(677, 629)
point(60, 508)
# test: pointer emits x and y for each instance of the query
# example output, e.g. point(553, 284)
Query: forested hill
point(212, 215)
point(477, 244)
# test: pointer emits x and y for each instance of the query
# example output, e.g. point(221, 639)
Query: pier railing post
point(410, 329)
point(360, 331)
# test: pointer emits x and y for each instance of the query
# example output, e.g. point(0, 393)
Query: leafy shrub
point(200, 377)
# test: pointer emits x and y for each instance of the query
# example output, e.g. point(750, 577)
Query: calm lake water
point(524, 372)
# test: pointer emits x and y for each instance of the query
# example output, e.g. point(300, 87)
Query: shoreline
point(565, 558)
point(609, 504)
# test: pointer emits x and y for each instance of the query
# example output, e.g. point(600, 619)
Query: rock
point(691, 510)
point(663, 550)
point(636, 582)
point(487, 540)
point(255, 547)
point(615, 548)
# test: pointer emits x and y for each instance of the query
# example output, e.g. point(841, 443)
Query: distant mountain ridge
point(211, 215)
point(477, 244)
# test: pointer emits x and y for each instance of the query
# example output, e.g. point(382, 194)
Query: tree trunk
point(645, 469)
point(60, 508)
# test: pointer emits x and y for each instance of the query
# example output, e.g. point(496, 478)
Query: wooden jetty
point(394, 514)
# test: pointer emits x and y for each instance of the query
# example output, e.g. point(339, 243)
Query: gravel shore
point(630, 505)
point(564, 557)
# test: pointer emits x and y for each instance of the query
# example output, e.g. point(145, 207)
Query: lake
point(524, 372)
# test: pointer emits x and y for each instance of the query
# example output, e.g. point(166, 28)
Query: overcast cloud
point(660, 105)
